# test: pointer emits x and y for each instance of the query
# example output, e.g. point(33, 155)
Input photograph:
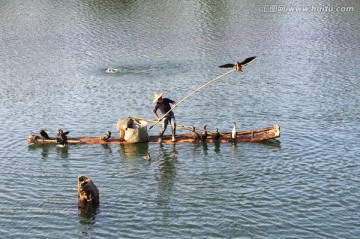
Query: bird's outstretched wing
point(227, 65)
point(247, 60)
point(67, 132)
point(243, 63)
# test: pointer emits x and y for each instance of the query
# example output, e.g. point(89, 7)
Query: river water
point(305, 184)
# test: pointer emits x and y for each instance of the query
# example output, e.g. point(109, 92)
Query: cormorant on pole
point(239, 65)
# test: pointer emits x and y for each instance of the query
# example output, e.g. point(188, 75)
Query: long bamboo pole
point(186, 97)
point(177, 125)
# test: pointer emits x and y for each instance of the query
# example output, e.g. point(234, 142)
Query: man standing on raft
point(164, 105)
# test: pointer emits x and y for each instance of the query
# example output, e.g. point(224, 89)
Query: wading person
point(164, 105)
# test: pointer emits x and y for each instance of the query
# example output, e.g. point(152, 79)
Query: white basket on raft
point(135, 130)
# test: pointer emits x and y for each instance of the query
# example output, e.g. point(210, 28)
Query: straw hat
point(157, 96)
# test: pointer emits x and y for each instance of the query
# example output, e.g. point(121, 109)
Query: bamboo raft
point(241, 136)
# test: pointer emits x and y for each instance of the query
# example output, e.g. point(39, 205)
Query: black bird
point(44, 134)
point(204, 134)
point(195, 134)
point(239, 65)
point(61, 137)
point(147, 157)
point(217, 134)
point(106, 136)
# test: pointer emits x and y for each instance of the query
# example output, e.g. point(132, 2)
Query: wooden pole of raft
point(186, 97)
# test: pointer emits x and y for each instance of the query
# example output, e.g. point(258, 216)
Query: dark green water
point(305, 78)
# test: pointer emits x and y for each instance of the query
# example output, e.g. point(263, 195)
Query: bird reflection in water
point(44, 147)
point(205, 147)
point(107, 149)
point(63, 152)
point(217, 147)
point(233, 149)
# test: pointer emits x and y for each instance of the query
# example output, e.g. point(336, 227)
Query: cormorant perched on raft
point(44, 134)
point(204, 134)
point(217, 134)
point(233, 132)
point(239, 65)
point(106, 136)
point(61, 137)
point(195, 134)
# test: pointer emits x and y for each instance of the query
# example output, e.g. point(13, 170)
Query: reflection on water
point(166, 174)
point(205, 148)
point(271, 142)
point(107, 148)
point(62, 152)
point(131, 151)
point(44, 149)
point(87, 215)
point(233, 149)
point(217, 147)
point(87, 220)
